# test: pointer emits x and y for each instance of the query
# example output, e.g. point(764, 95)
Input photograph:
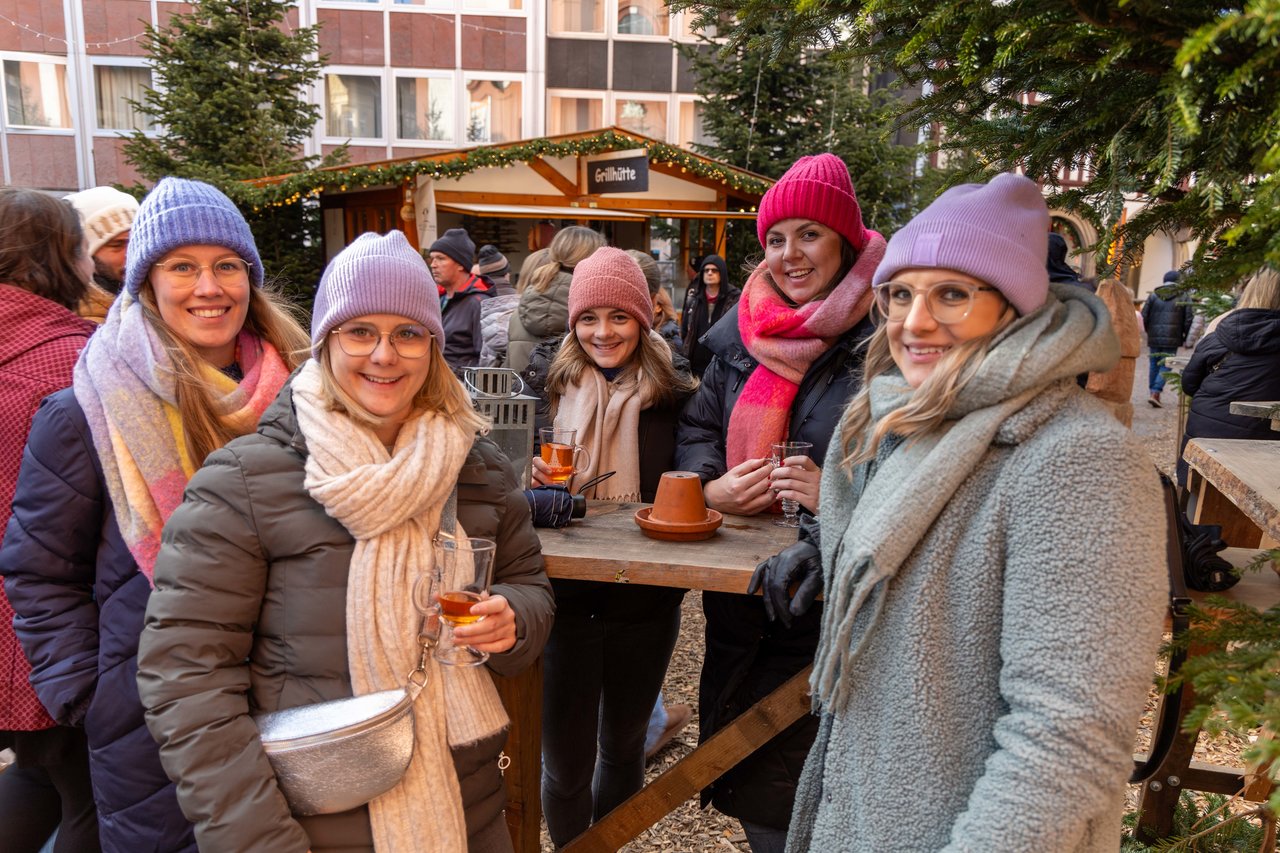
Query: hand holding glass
point(460, 578)
point(560, 454)
point(791, 454)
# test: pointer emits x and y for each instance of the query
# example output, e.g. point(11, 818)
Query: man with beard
point(107, 215)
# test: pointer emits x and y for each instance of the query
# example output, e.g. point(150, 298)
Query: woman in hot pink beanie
point(786, 360)
point(615, 381)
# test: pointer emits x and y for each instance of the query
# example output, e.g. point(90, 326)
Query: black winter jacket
point(1166, 321)
point(460, 316)
point(1240, 360)
point(694, 322)
point(748, 656)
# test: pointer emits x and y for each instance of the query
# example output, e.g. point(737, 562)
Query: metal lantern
point(497, 393)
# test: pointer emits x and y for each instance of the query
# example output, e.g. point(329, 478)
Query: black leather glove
point(800, 564)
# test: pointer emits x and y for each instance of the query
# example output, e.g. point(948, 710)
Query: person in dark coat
point(709, 297)
point(1239, 360)
point(44, 269)
point(614, 381)
point(462, 293)
point(287, 578)
point(1057, 266)
point(105, 466)
point(1167, 321)
point(785, 362)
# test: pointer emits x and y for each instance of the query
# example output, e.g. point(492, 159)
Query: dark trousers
point(47, 789)
point(602, 670)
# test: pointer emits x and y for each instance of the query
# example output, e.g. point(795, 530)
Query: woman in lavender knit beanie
point(963, 647)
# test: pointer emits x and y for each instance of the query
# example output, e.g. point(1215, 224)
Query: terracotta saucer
point(671, 532)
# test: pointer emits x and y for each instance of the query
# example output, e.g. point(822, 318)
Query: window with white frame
point(494, 110)
point(686, 31)
point(353, 106)
point(114, 86)
point(643, 18)
point(573, 113)
point(577, 16)
point(424, 108)
point(691, 131)
point(643, 114)
point(492, 5)
point(35, 93)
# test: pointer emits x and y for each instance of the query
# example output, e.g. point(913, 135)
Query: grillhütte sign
point(629, 174)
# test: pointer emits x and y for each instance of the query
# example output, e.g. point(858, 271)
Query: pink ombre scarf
point(786, 341)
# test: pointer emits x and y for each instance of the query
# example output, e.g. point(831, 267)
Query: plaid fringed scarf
point(785, 341)
point(124, 381)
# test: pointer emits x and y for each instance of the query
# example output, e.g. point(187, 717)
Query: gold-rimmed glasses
point(184, 272)
point(361, 339)
point(947, 301)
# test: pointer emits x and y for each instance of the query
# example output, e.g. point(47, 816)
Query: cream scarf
point(607, 417)
point(392, 505)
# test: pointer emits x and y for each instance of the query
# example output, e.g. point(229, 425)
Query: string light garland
point(291, 189)
point(62, 40)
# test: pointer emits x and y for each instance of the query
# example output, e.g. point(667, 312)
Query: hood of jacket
point(280, 422)
point(28, 320)
point(1251, 331)
point(474, 284)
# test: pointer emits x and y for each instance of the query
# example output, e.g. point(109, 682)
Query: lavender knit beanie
point(996, 232)
point(817, 188)
point(610, 278)
point(376, 274)
point(179, 213)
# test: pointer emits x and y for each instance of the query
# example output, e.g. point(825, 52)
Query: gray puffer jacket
point(249, 615)
point(541, 314)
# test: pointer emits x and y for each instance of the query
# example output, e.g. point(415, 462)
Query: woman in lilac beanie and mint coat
point(967, 654)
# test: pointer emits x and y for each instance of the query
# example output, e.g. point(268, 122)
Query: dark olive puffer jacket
point(248, 616)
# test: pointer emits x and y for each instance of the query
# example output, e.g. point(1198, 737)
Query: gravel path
point(696, 830)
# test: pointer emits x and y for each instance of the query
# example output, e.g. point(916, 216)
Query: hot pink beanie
point(816, 188)
point(996, 232)
point(610, 278)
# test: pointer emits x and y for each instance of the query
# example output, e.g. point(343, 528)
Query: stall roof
point(516, 211)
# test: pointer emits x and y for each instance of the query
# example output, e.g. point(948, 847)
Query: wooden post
point(725, 749)
point(522, 697)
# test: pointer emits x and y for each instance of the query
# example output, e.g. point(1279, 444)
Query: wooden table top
point(1267, 410)
point(608, 545)
point(1246, 472)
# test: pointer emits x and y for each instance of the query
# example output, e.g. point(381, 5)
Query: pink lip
point(922, 357)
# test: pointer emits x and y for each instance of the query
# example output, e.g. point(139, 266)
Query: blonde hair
point(1262, 290)
point(568, 247)
point(929, 404)
point(658, 379)
point(441, 392)
point(270, 317)
point(649, 267)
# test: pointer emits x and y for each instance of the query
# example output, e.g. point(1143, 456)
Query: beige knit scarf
point(607, 417)
point(391, 504)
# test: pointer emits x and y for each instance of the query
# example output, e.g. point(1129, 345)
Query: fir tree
point(1176, 101)
point(230, 104)
point(764, 112)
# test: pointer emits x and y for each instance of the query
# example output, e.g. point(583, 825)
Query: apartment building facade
point(402, 77)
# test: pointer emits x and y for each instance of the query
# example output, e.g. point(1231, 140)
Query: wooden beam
point(522, 696)
point(725, 749)
point(554, 177)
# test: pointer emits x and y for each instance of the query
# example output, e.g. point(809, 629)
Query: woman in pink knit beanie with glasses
point(786, 360)
point(968, 651)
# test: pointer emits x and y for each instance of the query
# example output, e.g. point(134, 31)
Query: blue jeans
point(602, 671)
point(1155, 377)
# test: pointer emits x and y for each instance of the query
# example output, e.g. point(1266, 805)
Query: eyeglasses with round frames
point(181, 272)
point(358, 340)
point(948, 302)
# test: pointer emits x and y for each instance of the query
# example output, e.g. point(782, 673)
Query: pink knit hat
point(610, 278)
point(996, 232)
point(817, 188)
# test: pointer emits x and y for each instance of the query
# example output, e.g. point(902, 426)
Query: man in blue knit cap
point(461, 292)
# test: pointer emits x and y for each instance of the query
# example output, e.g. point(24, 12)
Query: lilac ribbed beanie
point(996, 232)
point(376, 274)
point(180, 213)
point(610, 278)
point(817, 188)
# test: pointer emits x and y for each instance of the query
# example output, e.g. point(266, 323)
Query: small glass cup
point(560, 452)
point(789, 453)
point(460, 578)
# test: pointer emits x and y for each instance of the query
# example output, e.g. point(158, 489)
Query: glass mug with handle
point(460, 577)
point(560, 453)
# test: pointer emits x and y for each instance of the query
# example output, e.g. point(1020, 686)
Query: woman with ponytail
point(968, 649)
point(191, 353)
point(786, 360)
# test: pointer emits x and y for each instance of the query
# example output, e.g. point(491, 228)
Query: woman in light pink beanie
point(613, 380)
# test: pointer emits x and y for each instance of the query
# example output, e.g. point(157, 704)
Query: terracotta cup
point(679, 499)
